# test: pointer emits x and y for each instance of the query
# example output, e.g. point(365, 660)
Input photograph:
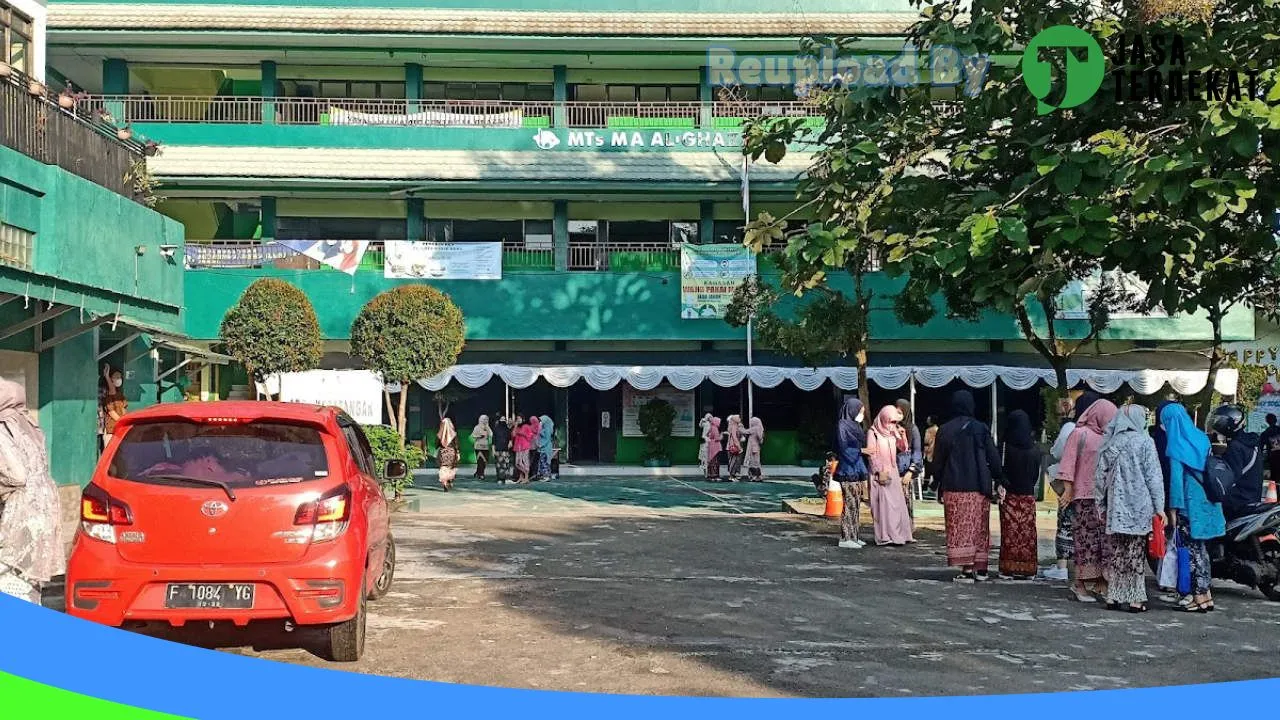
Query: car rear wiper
point(195, 481)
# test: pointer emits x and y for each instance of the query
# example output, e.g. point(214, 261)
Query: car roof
point(248, 409)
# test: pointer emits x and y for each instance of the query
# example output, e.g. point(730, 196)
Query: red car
point(231, 513)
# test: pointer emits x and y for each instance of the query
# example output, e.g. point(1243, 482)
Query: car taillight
point(328, 515)
point(100, 514)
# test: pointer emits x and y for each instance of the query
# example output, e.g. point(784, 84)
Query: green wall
point(539, 305)
point(69, 405)
point(85, 244)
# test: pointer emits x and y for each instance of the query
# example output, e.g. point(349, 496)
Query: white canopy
point(686, 377)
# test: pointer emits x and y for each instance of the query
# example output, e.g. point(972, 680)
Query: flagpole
point(746, 212)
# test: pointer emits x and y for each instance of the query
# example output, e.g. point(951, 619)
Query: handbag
point(1184, 565)
point(1168, 577)
point(1156, 544)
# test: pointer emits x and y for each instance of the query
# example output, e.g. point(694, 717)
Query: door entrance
point(584, 424)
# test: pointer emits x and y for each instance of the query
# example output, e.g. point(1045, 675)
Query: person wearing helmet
point(1243, 456)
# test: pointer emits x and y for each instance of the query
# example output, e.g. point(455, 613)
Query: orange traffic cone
point(1271, 491)
point(835, 500)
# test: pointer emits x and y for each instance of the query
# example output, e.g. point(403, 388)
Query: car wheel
point(346, 639)
point(382, 585)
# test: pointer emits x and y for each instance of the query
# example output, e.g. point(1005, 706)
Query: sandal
point(964, 577)
point(1140, 608)
point(1196, 608)
point(1113, 605)
point(1082, 595)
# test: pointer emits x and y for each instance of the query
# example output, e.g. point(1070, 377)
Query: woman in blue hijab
point(546, 432)
point(1197, 520)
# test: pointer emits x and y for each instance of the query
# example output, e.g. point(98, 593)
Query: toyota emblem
point(213, 508)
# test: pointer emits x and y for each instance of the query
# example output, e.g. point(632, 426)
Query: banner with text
point(358, 392)
point(633, 400)
point(709, 274)
point(444, 261)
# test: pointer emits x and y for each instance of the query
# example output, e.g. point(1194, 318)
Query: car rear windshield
point(238, 455)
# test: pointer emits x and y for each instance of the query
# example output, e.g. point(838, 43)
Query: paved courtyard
point(668, 586)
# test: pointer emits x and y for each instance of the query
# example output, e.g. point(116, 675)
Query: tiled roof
point(443, 21)
point(191, 161)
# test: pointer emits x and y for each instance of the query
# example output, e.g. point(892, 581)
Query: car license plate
point(233, 596)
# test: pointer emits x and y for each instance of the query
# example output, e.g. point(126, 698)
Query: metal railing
point(36, 126)
point(255, 254)
point(432, 113)
point(601, 257)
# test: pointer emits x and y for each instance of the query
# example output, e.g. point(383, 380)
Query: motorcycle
point(1249, 553)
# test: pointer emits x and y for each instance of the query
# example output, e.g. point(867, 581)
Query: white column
point(994, 407)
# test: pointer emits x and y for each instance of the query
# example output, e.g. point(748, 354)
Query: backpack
point(1219, 479)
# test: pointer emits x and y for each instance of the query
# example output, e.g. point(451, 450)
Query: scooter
point(1249, 553)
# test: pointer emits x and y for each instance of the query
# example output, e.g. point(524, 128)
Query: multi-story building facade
point(588, 137)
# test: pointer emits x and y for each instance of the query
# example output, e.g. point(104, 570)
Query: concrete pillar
point(415, 219)
point(706, 222)
point(413, 88)
point(560, 234)
point(268, 218)
point(559, 95)
point(268, 90)
point(115, 81)
point(706, 94)
point(68, 402)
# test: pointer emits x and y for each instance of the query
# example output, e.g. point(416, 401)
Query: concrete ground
point(668, 586)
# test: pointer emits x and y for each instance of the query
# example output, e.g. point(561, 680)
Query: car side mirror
point(396, 469)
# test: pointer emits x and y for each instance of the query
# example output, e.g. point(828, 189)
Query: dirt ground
point(672, 587)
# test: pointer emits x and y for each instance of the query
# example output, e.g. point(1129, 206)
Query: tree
point(408, 333)
point(656, 418)
point(1203, 187)
point(273, 329)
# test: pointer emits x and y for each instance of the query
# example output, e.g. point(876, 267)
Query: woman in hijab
point(1018, 538)
point(1077, 472)
point(703, 424)
point(30, 519)
point(502, 458)
point(1130, 494)
point(889, 513)
point(535, 435)
point(967, 464)
point(1196, 519)
point(447, 453)
point(481, 436)
point(851, 472)
point(1064, 543)
point(733, 446)
point(546, 433)
point(712, 438)
point(521, 441)
point(911, 460)
point(755, 439)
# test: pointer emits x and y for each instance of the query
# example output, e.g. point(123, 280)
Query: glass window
point(538, 235)
point(653, 93)
point(540, 93)
point(353, 444)
point(440, 231)
point(584, 231)
point(622, 93)
point(16, 246)
point(684, 93)
point(16, 33)
point(238, 454)
point(588, 93)
point(684, 232)
point(364, 90)
point(487, 230)
point(514, 92)
point(391, 90)
point(460, 91)
point(727, 231)
point(296, 228)
point(433, 91)
point(488, 91)
point(635, 232)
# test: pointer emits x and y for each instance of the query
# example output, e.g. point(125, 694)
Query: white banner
point(681, 400)
point(358, 392)
point(443, 261)
point(428, 118)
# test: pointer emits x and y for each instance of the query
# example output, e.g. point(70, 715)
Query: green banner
point(709, 274)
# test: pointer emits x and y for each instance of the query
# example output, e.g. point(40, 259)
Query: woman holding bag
point(1195, 518)
point(1129, 490)
point(1077, 471)
point(889, 513)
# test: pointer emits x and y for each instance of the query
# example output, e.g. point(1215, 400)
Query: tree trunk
point(1047, 351)
point(404, 404)
point(391, 411)
point(1059, 365)
point(864, 389)
point(1204, 400)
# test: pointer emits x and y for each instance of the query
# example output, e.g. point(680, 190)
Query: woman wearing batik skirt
point(851, 470)
point(1018, 538)
point(755, 440)
point(1129, 489)
point(447, 453)
point(712, 438)
point(1077, 472)
point(733, 447)
point(967, 465)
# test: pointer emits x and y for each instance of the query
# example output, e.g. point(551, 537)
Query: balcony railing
point(35, 125)
point(433, 113)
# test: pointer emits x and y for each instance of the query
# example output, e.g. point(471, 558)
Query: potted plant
point(67, 98)
point(36, 88)
point(151, 148)
point(656, 418)
point(385, 443)
point(6, 70)
point(124, 133)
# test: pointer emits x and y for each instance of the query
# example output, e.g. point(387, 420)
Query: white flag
point(746, 187)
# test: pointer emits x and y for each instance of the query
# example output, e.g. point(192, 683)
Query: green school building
point(589, 138)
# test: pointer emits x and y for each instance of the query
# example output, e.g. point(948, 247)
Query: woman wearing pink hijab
point(712, 436)
point(888, 502)
point(1076, 471)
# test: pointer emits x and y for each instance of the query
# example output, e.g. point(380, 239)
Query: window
point(507, 92)
point(684, 232)
point(239, 454)
point(299, 228)
point(727, 231)
point(584, 231)
point(17, 32)
point(634, 93)
point(538, 235)
point(355, 89)
point(358, 446)
point(16, 246)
